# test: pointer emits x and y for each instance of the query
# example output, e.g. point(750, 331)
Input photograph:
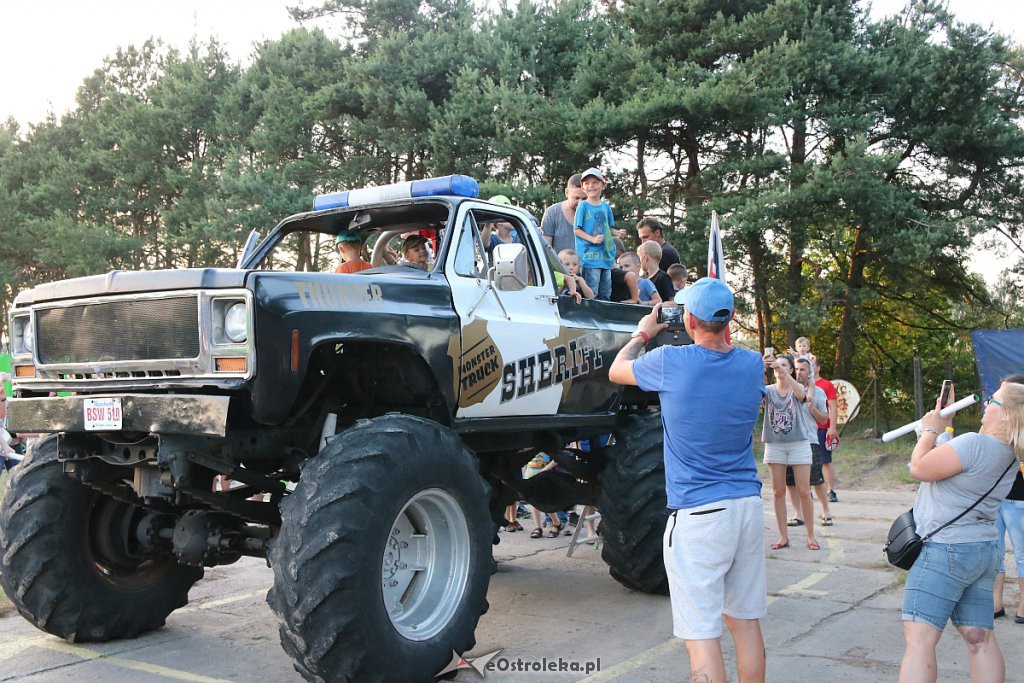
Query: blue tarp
point(998, 353)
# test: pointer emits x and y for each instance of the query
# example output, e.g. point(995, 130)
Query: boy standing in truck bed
point(593, 229)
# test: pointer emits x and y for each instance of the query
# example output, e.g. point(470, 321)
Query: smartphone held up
point(671, 316)
point(947, 387)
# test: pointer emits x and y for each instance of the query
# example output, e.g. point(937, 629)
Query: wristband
point(926, 429)
point(643, 335)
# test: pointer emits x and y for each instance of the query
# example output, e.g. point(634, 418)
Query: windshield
point(358, 240)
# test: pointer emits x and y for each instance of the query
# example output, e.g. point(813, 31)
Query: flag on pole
point(716, 256)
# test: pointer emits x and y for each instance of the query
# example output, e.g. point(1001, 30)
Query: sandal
point(779, 545)
point(826, 521)
point(555, 530)
point(811, 545)
point(795, 522)
point(537, 533)
point(510, 528)
point(519, 527)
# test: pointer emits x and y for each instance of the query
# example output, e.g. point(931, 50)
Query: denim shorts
point(1010, 520)
point(952, 581)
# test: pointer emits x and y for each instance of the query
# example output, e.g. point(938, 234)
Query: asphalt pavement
point(833, 615)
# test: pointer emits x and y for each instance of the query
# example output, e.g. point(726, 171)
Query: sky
point(48, 48)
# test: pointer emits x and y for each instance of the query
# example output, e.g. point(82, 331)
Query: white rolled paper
point(945, 412)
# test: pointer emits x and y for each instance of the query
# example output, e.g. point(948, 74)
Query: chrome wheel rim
point(425, 568)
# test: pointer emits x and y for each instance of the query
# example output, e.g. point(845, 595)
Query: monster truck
point(376, 425)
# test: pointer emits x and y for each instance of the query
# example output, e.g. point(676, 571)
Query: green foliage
point(855, 164)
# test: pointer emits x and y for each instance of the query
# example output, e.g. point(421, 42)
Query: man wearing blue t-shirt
point(711, 396)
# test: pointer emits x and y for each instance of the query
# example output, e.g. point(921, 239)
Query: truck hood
point(129, 281)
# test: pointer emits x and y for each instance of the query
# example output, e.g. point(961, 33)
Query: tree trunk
point(694, 193)
point(676, 187)
point(762, 303)
point(797, 230)
point(848, 328)
point(641, 173)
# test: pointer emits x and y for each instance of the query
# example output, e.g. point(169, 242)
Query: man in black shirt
point(650, 257)
point(650, 230)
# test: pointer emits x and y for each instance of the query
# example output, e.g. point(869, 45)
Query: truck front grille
point(119, 330)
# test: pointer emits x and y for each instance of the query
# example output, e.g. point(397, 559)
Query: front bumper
point(194, 414)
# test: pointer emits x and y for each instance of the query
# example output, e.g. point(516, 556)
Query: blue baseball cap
point(709, 299)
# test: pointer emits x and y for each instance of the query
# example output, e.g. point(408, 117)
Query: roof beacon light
point(458, 185)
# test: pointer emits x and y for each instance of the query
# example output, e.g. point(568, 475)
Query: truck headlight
point(22, 336)
point(236, 322)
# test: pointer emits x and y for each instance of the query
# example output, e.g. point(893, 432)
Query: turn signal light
point(230, 364)
point(24, 371)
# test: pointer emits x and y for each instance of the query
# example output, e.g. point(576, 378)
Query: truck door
point(507, 360)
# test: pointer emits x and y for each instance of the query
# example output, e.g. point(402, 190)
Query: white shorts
point(787, 453)
point(715, 560)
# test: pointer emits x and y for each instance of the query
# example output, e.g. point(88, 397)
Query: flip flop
point(813, 546)
point(826, 521)
point(795, 522)
point(779, 545)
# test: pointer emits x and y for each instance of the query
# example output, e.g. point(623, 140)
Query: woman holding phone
point(785, 437)
point(954, 574)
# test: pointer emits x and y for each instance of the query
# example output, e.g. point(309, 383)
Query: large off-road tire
point(58, 564)
point(382, 562)
point(633, 505)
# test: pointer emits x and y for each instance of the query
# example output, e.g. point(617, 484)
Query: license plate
point(102, 414)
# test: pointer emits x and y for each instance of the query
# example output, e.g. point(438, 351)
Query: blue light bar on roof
point(458, 185)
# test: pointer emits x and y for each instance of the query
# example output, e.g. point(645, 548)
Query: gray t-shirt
point(983, 458)
point(555, 225)
point(821, 405)
point(784, 420)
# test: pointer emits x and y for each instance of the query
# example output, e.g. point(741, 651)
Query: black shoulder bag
point(903, 545)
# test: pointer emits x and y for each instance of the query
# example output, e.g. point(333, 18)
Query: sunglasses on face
point(992, 399)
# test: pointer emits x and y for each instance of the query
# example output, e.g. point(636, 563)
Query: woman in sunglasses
point(954, 574)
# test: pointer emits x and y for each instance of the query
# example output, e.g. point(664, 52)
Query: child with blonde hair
point(803, 351)
point(571, 260)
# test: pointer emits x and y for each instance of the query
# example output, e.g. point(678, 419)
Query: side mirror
point(511, 267)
